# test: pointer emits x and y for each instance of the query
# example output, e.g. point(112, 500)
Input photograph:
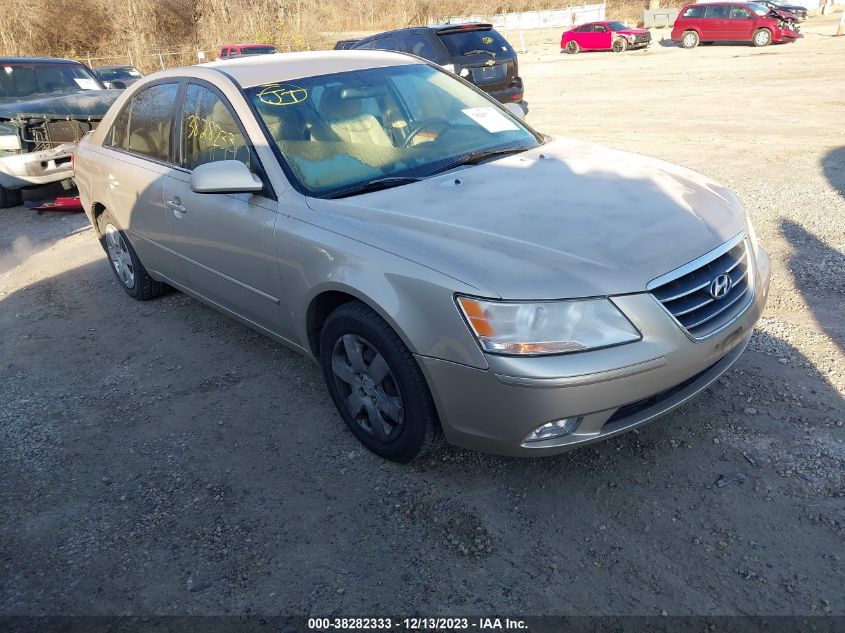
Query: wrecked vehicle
point(46, 106)
point(117, 77)
point(734, 22)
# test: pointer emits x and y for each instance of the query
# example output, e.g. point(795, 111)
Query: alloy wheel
point(119, 256)
point(369, 390)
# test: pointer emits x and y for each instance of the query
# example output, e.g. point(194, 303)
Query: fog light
point(556, 428)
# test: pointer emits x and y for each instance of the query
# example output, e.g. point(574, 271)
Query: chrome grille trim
point(684, 293)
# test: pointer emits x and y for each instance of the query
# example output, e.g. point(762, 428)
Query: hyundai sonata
point(454, 272)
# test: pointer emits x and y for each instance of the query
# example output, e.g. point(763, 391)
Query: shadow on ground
point(159, 458)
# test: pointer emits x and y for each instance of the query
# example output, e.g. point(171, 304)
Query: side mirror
point(516, 110)
point(225, 176)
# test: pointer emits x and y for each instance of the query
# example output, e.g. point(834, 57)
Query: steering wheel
point(425, 124)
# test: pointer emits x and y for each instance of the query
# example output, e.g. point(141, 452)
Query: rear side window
point(143, 127)
point(419, 45)
point(694, 12)
point(464, 42)
point(209, 130)
point(600, 28)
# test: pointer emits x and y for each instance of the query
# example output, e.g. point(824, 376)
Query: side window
point(209, 130)
point(224, 52)
point(234, 51)
point(716, 11)
point(387, 44)
point(419, 45)
point(366, 45)
point(694, 12)
point(738, 13)
point(143, 126)
point(600, 28)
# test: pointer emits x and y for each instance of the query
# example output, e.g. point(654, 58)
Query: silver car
point(456, 274)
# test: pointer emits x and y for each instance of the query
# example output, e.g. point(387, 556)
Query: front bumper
point(613, 389)
point(786, 35)
point(36, 168)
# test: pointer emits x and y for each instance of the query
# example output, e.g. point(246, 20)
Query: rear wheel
point(572, 47)
point(377, 385)
point(10, 198)
point(620, 45)
point(125, 265)
point(763, 37)
point(689, 39)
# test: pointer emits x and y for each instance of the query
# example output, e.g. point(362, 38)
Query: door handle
point(176, 206)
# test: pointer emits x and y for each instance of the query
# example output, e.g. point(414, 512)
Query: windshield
point(341, 130)
point(258, 50)
point(759, 9)
point(116, 74)
point(28, 79)
point(618, 26)
point(465, 42)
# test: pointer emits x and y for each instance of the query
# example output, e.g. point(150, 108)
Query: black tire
point(620, 45)
point(141, 286)
point(10, 198)
point(407, 436)
point(572, 47)
point(689, 39)
point(762, 37)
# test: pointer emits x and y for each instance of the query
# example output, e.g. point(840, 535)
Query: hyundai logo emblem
point(721, 286)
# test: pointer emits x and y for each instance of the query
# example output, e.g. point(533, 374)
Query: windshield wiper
point(479, 50)
point(376, 184)
point(473, 158)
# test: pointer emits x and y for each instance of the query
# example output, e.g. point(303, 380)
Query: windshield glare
point(338, 131)
point(27, 79)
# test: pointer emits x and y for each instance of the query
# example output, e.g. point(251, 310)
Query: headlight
point(10, 142)
point(546, 327)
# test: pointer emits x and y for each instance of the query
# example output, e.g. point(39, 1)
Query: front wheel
point(572, 47)
point(690, 39)
point(620, 45)
point(763, 37)
point(377, 385)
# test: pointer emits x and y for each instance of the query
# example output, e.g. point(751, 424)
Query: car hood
point(567, 219)
point(80, 105)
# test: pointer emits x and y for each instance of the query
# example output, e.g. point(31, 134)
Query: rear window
point(258, 50)
point(466, 42)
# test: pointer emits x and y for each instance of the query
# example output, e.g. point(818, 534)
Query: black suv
point(475, 52)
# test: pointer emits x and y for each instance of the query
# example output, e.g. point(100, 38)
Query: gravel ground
point(158, 458)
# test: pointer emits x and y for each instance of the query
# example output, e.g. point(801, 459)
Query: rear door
point(226, 240)
point(139, 160)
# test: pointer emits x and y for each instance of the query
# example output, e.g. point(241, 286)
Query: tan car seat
point(345, 118)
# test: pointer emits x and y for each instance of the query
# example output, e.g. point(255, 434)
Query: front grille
point(688, 296)
point(642, 37)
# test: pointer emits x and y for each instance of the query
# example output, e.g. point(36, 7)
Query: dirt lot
point(158, 458)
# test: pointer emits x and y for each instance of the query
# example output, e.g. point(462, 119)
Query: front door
point(740, 24)
point(226, 240)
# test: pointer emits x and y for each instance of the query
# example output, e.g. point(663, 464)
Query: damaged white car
point(46, 106)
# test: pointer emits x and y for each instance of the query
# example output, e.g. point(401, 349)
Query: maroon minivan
point(733, 22)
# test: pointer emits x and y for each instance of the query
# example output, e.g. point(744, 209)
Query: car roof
point(40, 60)
point(261, 69)
point(250, 45)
